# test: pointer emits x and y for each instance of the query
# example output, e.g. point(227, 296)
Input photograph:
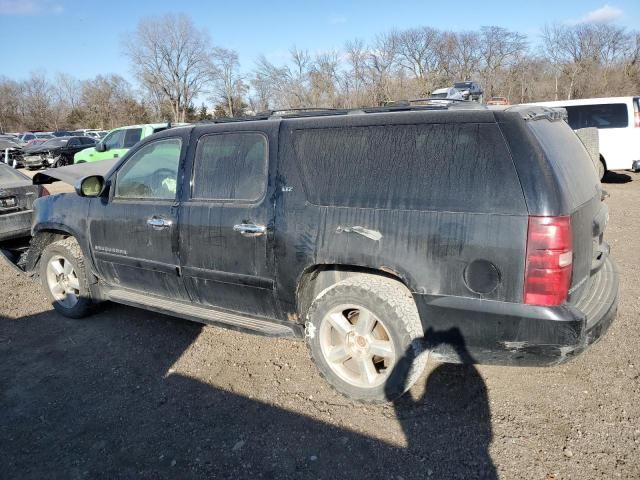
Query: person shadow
point(451, 423)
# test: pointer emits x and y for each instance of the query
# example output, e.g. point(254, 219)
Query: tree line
point(176, 65)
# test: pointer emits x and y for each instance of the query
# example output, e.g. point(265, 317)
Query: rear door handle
point(158, 223)
point(250, 229)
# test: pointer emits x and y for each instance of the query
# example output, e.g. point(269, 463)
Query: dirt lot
point(128, 393)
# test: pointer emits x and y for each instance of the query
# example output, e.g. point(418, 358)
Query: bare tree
point(417, 51)
point(172, 58)
point(229, 86)
point(500, 48)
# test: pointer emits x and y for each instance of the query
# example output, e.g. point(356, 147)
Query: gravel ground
point(132, 394)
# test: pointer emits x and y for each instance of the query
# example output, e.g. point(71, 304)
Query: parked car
point(17, 194)
point(28, 136)
point(618, 122)
point(57, 152)
point(10, 151)
point(368, 234)
point(118, 141)
point(498, 101)
point(61, 133)
point(448, 93)
point(469, 89)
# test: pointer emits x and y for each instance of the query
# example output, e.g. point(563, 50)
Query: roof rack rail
point(388, 107)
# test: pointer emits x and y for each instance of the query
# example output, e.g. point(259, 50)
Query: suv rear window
point(608, 115)
point(462, 167)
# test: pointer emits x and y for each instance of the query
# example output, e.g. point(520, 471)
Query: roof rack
point(392, 106)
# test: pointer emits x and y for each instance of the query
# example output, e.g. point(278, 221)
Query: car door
point(133, 232)
point(226, 237)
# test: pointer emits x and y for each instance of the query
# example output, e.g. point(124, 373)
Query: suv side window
point(457, 166)
point(230, 167)
point(114, 139)
point(151, 172)
point(73, 142)
point(132, 136)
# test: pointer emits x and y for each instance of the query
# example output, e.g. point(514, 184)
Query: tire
point(64, 277)
point(342, 350)
point(601, 170)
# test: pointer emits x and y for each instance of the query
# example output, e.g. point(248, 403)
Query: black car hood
point(73, 173)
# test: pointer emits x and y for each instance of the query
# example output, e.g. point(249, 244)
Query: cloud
point(337, 20)
point(604, 14)
point(29, 7)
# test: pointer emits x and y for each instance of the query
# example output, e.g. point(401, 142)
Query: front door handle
point(158, 223)
point(250, 229)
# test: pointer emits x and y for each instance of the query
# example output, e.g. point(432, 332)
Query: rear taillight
point(547, 276)
point(43, 191)
point(636, 115)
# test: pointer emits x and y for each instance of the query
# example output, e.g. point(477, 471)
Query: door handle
point(158, 223)
point(250, 229)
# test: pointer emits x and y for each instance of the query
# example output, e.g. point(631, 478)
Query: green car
point(118, 141)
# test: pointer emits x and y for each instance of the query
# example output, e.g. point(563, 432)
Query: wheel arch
point(318, 277)
point(42, 238)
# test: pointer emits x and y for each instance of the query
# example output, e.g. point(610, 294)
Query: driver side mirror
point(91, 186)
point(101, 147)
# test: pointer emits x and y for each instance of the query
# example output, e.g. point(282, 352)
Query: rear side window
point(611, 115)
point(230, 167)
point(132, 136)
point(460, 167)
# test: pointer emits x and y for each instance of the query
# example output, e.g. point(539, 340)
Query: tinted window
point(74, 142)
point(114, 139)
point(132, 136)
point(231, 166)
point(87, 141)
point(613, 115)
point(151, 172)
point(462, 167)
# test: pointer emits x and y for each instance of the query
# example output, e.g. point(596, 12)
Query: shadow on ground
point(616, 177)
point(96, 399)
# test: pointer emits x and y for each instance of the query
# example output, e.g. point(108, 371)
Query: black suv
point(368, 232)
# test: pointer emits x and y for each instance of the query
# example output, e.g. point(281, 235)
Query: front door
point(226, 239)
point(134, 232)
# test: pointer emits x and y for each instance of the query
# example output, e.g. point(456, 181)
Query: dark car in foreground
point(17, 194)
point(369, 233)
point(56, 152)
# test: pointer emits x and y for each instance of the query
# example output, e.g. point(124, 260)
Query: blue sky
point(83, 38)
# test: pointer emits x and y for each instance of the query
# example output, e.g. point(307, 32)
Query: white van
point(618, 122)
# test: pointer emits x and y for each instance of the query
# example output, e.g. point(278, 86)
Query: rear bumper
point(15, 225)
point(501, 333)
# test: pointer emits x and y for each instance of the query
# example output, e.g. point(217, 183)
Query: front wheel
point(64, 278)
point(365, 337)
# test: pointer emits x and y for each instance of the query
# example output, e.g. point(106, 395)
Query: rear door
point(133, 233)
point(226, 237)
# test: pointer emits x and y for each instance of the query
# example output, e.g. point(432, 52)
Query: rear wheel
point(64, 278)
point(365, 336)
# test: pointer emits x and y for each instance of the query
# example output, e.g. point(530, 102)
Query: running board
point(202, 314)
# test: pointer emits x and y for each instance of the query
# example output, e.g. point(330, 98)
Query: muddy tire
point(64, 278)
point(366, 338)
